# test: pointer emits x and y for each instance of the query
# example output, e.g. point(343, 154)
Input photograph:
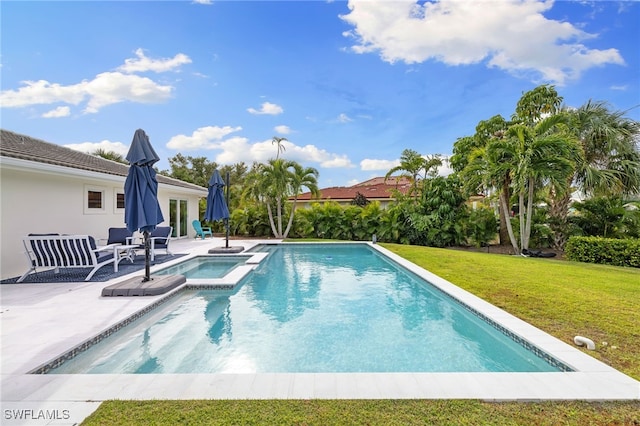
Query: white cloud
point(105, 89)
point(267, 108)
point(510, 35)
point(112, 87)
point(238, 149)
point(622, 88)
point(210, 137)
point(58, 112)
point(203, 1)
point(344, 118)
point(42, 92)
point(90, 147)
point(445, 169)
point(313, 154)
point(386, 165)
point(283, 130)
point(143, 63)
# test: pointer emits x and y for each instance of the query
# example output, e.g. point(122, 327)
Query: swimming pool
point(205, 266)
point(329, 308)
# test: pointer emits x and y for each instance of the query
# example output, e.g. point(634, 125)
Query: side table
point(124, 251)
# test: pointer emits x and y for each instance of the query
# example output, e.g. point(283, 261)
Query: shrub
point(482, 226)
point(606, 251)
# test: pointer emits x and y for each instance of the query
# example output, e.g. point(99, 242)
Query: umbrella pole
point(227, 219)
point(147, 256)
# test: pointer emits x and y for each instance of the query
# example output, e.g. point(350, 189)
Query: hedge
point(608, 251)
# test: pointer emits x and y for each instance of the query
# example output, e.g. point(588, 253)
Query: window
point(94, 200)
point(119, 200)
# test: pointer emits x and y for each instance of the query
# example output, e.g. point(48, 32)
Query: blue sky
point(349, 84)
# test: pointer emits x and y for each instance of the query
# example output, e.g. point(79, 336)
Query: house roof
point(15, 145)
point(373, 189)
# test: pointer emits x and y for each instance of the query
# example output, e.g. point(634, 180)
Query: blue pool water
point(205, 266)
point(312, 308)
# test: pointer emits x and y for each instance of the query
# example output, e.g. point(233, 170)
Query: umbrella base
point(222, 250)
point(159, 284)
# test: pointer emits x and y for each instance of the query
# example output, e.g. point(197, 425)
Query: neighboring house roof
point(372, 189)
point(14, 145)
point(400, 181)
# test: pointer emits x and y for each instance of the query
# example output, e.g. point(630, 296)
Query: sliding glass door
point(178, 217)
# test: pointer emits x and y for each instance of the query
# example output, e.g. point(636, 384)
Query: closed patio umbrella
point(216, 205)
point(141, 208)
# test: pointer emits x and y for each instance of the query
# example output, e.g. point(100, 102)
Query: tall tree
point(542, 155)
point(279, 142)
point(415, 167)
point(517, 156)
point(610, 161)
point(468, 159)
point(300, 178)
point(196, 170)
point(273, 183)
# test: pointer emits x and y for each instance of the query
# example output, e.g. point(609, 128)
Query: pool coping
point(81, 394)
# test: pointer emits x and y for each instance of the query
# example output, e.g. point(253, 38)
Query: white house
point(47, 188)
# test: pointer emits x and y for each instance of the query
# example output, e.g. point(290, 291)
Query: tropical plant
point(469, 159)
point(415, 167)
point(482, 226)
point(610, 161)
point(607, 217)
point(392, 225)
point(109, 155)
point(443, 212)
point(359, 200)
point(279, 142)
point(369, 221)
point(545, 155)
point(521, 156)
point(273, 183)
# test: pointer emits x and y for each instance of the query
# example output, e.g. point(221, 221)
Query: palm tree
point(273, 183)
point(522, 161)
point(109, 155)
point(301, 177)
point(545, 156)
point(469, 159)
point(278, 141)
point(412, 164)
point(610, 164)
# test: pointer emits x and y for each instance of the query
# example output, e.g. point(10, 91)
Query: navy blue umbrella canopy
point(142, 210)
point(216, 205)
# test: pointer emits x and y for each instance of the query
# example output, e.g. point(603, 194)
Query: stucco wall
point(43, 202)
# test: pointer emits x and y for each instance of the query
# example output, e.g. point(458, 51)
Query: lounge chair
point(201, 231)
point(159, 238)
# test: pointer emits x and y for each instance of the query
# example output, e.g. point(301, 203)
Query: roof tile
point(15, 145)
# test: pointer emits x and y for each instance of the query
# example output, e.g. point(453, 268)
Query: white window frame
point(85, 199)
point(117, 191)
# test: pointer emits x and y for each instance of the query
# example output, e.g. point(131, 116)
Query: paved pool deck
point(39, 322)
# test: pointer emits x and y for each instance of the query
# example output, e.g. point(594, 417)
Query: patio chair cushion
point(161, 235)
point(119, 236)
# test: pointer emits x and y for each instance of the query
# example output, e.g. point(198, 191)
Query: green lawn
point(562, 298)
